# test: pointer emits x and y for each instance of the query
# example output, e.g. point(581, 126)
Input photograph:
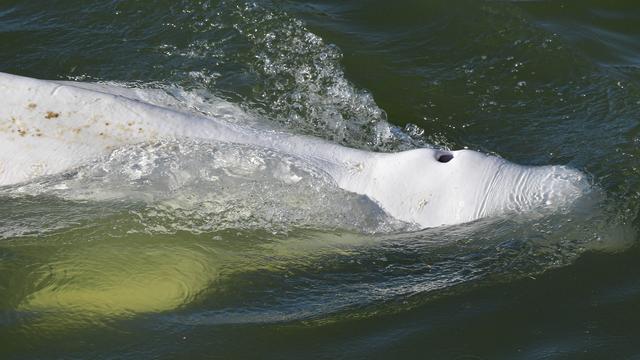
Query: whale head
point(432, 187)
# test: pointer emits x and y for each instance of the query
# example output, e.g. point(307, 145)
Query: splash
point(285, 73)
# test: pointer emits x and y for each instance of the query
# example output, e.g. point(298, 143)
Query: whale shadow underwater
point(48, 127)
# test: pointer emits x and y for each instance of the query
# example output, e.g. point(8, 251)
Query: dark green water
point(192, 251)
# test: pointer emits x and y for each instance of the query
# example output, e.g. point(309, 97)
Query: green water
point(187, 250)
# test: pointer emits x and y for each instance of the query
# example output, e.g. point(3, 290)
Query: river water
point(186, 249)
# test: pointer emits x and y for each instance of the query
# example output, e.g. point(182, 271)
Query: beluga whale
point(49, 127)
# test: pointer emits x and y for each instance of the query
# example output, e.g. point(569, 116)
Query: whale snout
point(517, 188)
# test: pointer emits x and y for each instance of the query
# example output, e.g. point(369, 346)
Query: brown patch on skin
point(22, 132)
point(38, 134)
point(140, 130)
point(107, 124)
point(101, 134)
point(130, 123)
point(32, 106)
point(77, 130)
point(51, 115)
point(13, 120)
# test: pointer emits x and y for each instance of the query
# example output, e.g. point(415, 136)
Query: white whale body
point(47, 127)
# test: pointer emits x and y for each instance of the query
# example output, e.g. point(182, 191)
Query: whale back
point(47, 127)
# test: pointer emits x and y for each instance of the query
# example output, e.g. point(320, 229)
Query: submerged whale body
point(47, 127)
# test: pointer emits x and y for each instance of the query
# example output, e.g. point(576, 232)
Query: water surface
point(185, 249)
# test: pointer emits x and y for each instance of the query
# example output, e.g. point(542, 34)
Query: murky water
point(188, 249)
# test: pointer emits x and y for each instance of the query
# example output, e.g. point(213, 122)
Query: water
point(183, 249)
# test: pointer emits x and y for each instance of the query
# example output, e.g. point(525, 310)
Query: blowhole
point(444, 157)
